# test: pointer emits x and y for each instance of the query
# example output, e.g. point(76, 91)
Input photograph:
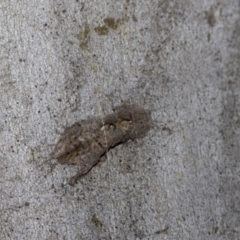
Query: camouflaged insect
point(87, 141)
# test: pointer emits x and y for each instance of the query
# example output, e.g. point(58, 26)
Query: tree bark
point(65, 60)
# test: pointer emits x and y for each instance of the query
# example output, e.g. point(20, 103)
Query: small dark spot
point(59, 99)
point(209, 37)
point(134, 18)
point(128, 168)
point(167, 129)
point(212, 20)
point(101, 30)
point(96, 221)
point(45, 24)
point(162, 230)
point(64, 10)
point(83, 5)
point(111, 23)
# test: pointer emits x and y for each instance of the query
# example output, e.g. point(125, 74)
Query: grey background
point(64, 60)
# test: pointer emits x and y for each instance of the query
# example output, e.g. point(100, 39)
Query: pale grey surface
point(60, 62)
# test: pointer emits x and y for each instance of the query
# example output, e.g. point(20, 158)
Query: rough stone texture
point(63, 60)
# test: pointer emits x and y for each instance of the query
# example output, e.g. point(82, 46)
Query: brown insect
point(87, 141)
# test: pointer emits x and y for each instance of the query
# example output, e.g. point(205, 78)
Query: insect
point(86, 142)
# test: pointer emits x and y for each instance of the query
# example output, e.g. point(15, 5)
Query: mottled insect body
point(85, 142)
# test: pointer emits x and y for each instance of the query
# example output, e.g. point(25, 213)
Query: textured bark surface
point(64, 60)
